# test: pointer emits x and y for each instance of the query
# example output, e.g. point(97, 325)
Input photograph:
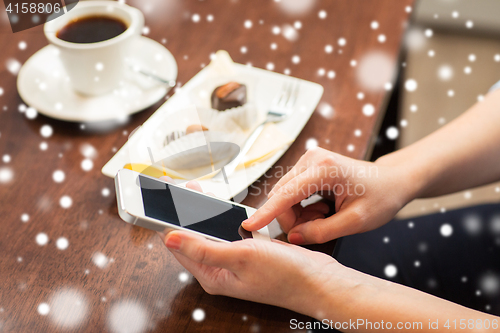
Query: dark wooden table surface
point(113, 277)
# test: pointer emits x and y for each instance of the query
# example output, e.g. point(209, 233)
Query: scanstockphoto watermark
point(357, 324)
point(336, 180)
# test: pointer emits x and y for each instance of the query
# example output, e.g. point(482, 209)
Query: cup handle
point(137, 20)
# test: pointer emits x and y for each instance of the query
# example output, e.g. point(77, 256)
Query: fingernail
point(248, 220)
point(173, 242)
point(296, 239)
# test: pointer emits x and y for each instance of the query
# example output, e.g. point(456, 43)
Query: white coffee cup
point(96, 68)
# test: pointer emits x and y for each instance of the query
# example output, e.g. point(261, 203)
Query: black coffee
point(91, 29)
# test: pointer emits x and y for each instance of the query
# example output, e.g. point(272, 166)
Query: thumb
point(345, 222)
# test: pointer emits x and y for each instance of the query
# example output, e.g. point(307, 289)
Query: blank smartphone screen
point(191, 210)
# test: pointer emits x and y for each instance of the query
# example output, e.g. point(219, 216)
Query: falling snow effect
point(87, 164)
point(326, 110)
point(289, 33)
point(489, 284)
point(445, 72)
point(31, 113)
point(374, 70)
point(495, 225)
point(390, 271)
point(392, 133)
point(472, 224)
point(43, 309)
point(62, 243)
point(42, 239)
point(65, 201)
point(296, 7)
point(128, 316)
point(13, 66)
point(68, 308)
point(88, 151)
point(415, 40)
point(6, 175)
point(100, 260)
point(46, 131)
point(183, 277)
point(368, 110)
point(198, 315)
point(446, 230)
point(411, 85)
point(58, 176)
point(311, 143)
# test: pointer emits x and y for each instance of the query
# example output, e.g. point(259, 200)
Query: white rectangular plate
point(269, 85)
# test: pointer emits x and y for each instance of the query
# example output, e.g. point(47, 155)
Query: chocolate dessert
point(230, 95)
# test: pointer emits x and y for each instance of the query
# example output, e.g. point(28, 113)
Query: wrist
point(407, 174)
point(334, 293)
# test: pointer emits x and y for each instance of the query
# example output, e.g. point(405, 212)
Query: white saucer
point(44, 85)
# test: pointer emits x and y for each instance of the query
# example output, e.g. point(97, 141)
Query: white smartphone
point(157, 205)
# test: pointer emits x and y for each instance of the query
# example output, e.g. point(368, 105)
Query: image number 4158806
point(26, 14)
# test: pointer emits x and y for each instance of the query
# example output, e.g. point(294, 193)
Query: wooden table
point(118, 278)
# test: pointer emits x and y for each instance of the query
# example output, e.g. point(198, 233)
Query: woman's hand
point(367, 195)
point(307, 282)
point(274, 272)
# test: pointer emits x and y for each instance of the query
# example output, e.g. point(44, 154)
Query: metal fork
point(281, 107)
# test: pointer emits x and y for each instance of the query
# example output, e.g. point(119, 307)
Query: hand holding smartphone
point(157, 205)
